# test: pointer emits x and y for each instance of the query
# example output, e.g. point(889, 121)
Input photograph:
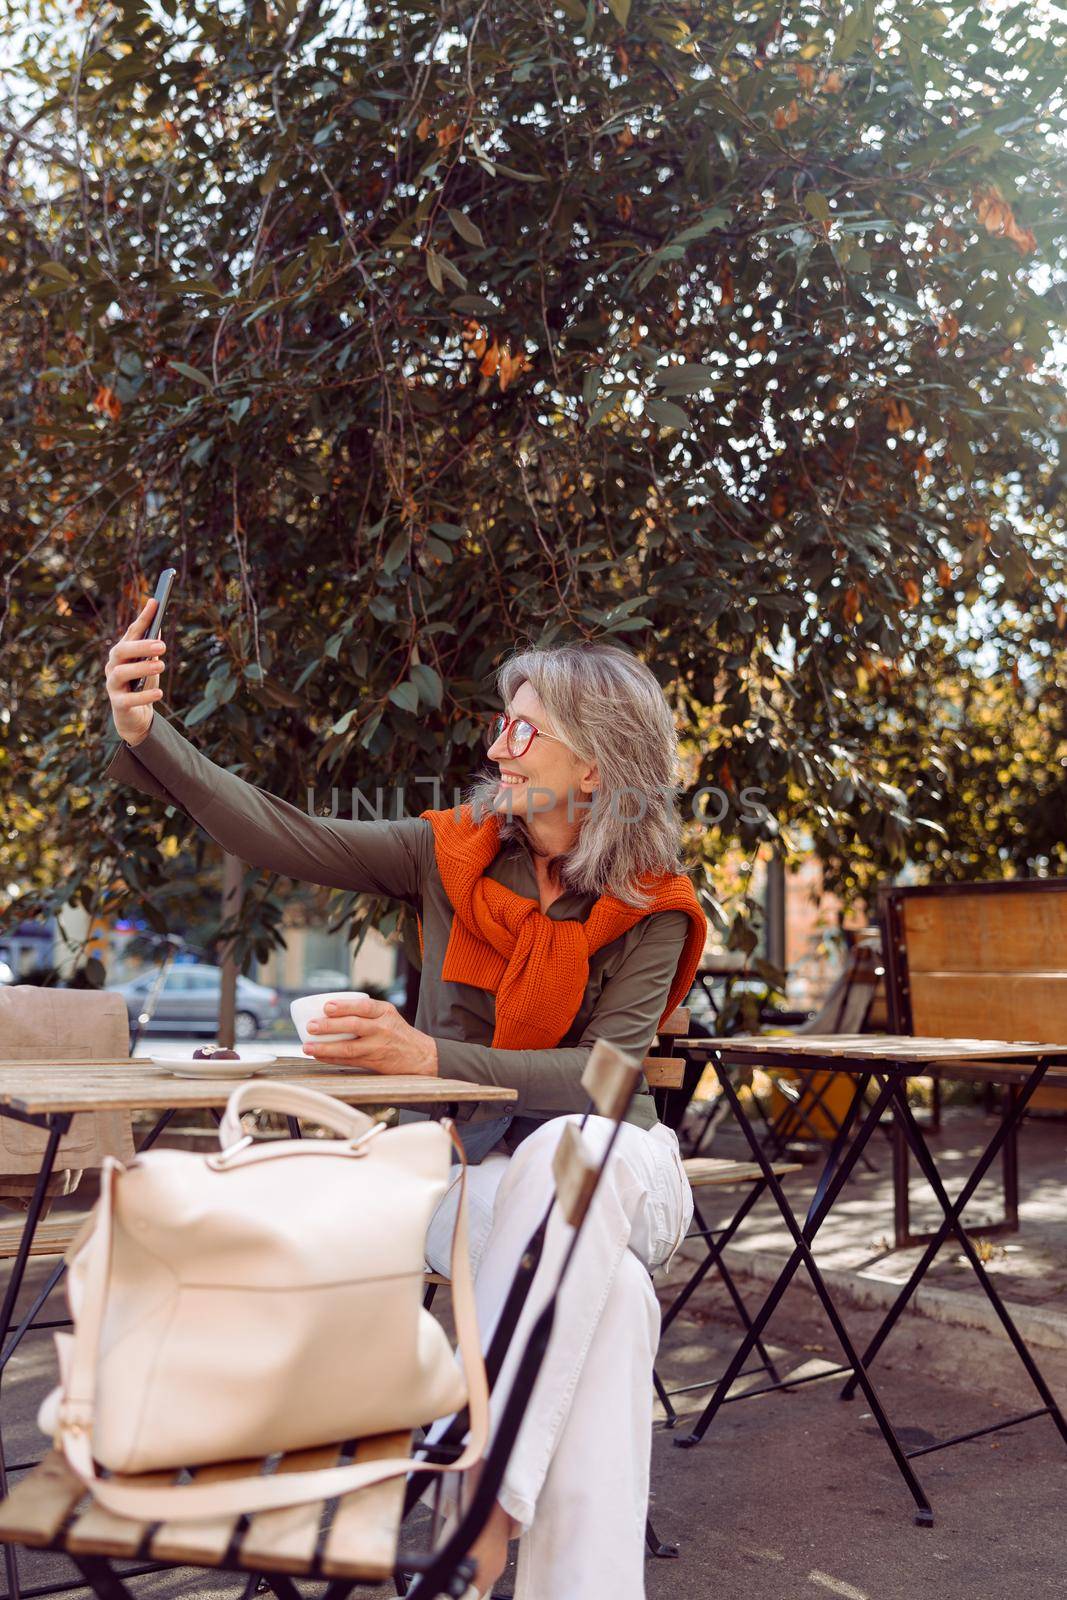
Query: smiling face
point(542, 777)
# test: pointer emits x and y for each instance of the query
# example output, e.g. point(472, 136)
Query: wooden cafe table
point(48, 1094)
point(886, 1061)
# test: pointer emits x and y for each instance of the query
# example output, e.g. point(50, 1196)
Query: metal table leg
point(839, 1165)
point(953, 1224)
point(954, 1209)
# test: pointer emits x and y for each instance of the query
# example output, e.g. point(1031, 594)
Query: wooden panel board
point(1014, 931)
point(363, 1536)
point(285, 1540)
point(1003, 1005)
point(40, 1503)
point(677, 1022)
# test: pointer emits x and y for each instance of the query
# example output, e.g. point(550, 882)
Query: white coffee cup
point(311, 1006)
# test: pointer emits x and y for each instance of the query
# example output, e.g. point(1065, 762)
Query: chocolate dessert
point(215, 1052)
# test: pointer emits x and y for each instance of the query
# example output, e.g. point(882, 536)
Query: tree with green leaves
point(410, 333)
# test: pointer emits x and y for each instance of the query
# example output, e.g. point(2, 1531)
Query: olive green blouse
point(629, 978)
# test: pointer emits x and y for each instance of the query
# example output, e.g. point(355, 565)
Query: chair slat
point(205, 1542)
point(284, 1540)
point(720, 1171)
point(52, 1237)
point(677, 1022)
point(363, 1536)
point(40, 1503)
point(609, 1079)
point(575, 1172)
point(664, 1072)
point(97, 1532)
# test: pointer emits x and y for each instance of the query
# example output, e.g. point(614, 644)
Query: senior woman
point(552, 913)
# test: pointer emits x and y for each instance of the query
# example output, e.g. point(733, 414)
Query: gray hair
point(607, 707)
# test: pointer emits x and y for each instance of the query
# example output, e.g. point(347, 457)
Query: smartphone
point(161, 596)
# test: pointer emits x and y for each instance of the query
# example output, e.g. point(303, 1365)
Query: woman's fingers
point(140, 624)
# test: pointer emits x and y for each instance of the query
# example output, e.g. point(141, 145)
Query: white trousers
point(578, 1476)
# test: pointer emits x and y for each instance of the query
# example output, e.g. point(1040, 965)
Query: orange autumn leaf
point(511, 366)
point(833, 83)
point(622, 55)
point(786, 115)
point(107, 402)
point(850, 606)
point(490, 361)
point(423, 129)
point(911, 591)
point(447, 135)
point(947, 327)
point(624, 206)
point(944, 574)
point(779, 503)
point(805, 76)
point(625, 139)
point(1061, 615)
point(726, 286)
point(997, 218)
point(171, 128)
point(898, 416)
point(62, 606)
point(475, 339)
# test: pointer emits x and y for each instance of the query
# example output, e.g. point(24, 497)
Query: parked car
point(326, 978)
point(189, 1001)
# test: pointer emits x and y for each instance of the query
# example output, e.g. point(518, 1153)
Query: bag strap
point(236, 1495)
point(295, 1100)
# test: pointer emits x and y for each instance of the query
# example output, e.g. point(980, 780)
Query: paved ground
point(1030, 1267)
point(792, 1496)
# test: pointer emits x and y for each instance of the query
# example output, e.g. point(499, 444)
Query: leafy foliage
point(409, 333)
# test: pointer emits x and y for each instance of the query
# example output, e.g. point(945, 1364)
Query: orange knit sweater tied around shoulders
point(538, 967)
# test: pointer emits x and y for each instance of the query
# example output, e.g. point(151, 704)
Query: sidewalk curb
point(953, 1308)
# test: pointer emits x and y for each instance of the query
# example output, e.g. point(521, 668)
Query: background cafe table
point(47, 1094)
point(888, 1060)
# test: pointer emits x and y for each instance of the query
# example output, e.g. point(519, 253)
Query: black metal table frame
point(890, 1074)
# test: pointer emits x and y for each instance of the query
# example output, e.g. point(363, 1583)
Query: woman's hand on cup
point(132, 657)
point(384, 1043)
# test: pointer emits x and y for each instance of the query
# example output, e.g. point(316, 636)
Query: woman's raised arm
point(386, 858)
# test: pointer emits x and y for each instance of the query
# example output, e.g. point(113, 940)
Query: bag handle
point(236, 1495)
point(292, 1100)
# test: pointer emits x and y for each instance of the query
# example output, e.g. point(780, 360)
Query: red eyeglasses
point(520, 731)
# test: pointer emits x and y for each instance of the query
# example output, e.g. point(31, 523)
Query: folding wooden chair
point(70, 1027)
point(352, 1540)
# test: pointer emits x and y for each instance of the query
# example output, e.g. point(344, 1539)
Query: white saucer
point(187, 1067)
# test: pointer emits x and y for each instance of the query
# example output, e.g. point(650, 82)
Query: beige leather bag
point(267, 1298)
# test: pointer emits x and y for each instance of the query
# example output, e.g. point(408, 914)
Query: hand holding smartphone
point(137, 659)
